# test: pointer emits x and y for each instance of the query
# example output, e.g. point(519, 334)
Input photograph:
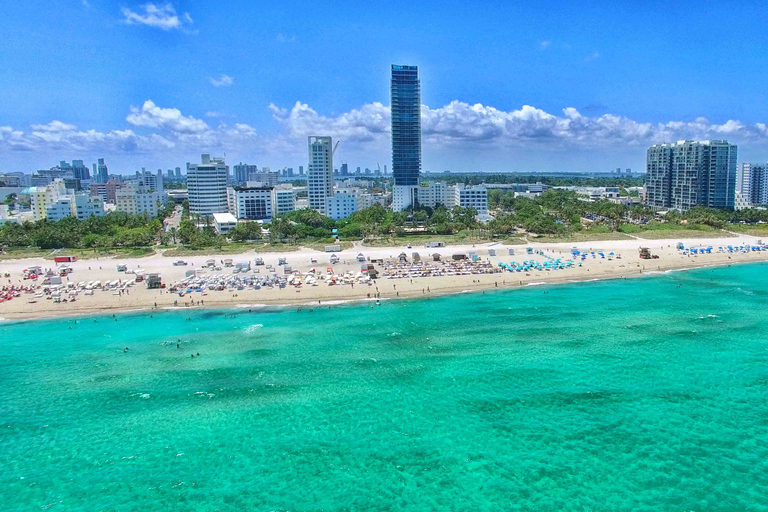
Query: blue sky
point(553, 86)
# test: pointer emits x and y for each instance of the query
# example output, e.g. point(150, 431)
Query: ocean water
point(639, 394)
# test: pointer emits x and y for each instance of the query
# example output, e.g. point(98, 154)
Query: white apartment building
point(434, 193)
point(151, 181)
point(340, 206)
point(475, 197)
point(42, 197)
point(283, 200)
point(251, 201)
point(85, 205)
point(136, 200)
point(55, 201)
point(59, 210)
point(320, 172)
point(207, 186)
point(224, 222)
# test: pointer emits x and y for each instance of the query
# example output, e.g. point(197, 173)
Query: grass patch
point(462, 237)
point(660, 234)
point(758, 230)
point(515, 240)
point(81, 254)
point(321, 246)
point(660, 230)
point(16, 254)
point(205, 251)
point(582, 236)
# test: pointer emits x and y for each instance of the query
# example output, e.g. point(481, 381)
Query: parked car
point(179, 263)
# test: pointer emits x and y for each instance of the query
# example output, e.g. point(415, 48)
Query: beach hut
point(436, 256)
point(511, 251)
point(415, 257)
point(459, 256)
point(334, 259)
point(360, 257)
point(491, 252)
point(402, 258)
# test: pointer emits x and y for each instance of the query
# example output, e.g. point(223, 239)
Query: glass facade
point(689, 173)
point(405, 91)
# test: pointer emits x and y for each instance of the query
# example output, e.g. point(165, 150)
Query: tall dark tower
point(405, 89)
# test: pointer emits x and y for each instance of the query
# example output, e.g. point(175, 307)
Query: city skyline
point(142, 84)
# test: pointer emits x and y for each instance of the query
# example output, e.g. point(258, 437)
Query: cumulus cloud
point(156, 117)
point(161, 129)
point(462, 124)
point(457, 126)
point(543, 45)
point(162, 16)
point(222, 81)
point(367, 123)
point(282, 38)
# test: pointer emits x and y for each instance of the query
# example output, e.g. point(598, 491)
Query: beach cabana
point(436, 256)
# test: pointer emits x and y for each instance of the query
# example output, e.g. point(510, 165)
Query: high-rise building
point(691, 173)
point(241, 172)
point(152, 182)
point(405, 91)
point(752, 183)
point(178, 172)
point(102, 174)
point(80, 170)
point(301, 170)
point(207, 186)
point(320, 172)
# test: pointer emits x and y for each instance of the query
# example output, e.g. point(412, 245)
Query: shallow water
point(644, 394)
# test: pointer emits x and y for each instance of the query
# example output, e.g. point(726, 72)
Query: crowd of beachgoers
point(40, 287)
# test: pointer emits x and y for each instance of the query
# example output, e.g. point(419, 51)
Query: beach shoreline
point(384, 289)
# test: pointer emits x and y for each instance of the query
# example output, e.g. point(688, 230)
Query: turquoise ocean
point(638, 394)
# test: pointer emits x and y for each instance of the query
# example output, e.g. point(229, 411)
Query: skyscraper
point(80, 170)
point(241, 171)
point(691, 173)
point(752, 183)
point(207, 186)
point(102, 175)
point(405, 90)
point(320, 172)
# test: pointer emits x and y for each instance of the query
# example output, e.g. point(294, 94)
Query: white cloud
point(452, 129)
point(364, 124)
point(222, 81)
point(162, 16)
point(282, 38)
point(460, 124)
point(213, 113)
point(543, 45)
point(153, 116)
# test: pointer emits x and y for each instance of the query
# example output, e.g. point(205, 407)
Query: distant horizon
point(504, 87)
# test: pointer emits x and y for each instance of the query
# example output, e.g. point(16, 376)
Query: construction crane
point(335, 147)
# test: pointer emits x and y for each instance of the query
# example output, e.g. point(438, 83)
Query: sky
point(549, 86)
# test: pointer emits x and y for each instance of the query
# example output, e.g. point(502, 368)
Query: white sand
point(104, 269)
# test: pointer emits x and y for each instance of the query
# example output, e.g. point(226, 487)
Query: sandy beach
point(139, 297)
